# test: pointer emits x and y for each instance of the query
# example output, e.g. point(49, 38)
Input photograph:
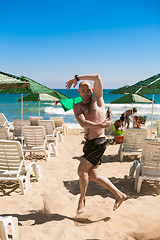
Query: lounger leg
point(14, 227)
point(121, 156)
point(3, 227)
point(137, 176)
point(64, 130)
point(55, 149)
point(46, 154)
point(133, 168)
point(139, 184)
point(21, 186)
point(57, 137)
point(120, 153)
point(61, 137)
point(39, 171)
point(27, 178)
point(56, 140)
point(3, 231)
point(35, 171)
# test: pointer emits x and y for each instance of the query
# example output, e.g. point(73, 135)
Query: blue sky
point(51, 41)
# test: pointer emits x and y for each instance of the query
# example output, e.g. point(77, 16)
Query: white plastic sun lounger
point(35, 140)
point(133, 142)
point(59, 124)
point(13, 166)
point(149, 166)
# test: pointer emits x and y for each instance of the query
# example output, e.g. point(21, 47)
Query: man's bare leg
point(83, 169)
point(106, 183)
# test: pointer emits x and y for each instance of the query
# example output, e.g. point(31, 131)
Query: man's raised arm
point(98, 86)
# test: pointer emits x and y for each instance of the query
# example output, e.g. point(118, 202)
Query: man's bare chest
point(91, 111)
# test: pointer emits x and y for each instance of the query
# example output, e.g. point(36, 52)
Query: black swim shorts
point(94, 149)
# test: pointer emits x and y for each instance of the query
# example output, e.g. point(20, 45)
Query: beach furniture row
point(36, 139)
point(43, 137)
point(59, 123)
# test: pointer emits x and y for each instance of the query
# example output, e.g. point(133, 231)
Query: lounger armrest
point(37, 169)
point(137, 170)
point(30, 165)
point(59, 136)
point(133, 150)
point(5, 124)
point(11, 127)
point(156, 134)
point(133, 168)
point(122, 146)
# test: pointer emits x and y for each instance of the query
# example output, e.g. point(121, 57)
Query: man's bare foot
point(119, 201)
point(81, 206)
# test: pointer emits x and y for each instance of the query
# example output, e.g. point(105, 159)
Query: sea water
point(12, 109)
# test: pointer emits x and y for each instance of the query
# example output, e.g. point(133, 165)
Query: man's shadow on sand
point(125, 184)
point(42, 216)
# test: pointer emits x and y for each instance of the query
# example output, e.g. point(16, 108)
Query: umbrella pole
point(152, 116)
point(125, 119)
point(22, 119)
point(39, 108)
point(52, 109)
point(132, 114)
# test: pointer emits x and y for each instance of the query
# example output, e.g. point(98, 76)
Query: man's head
point(85, 90)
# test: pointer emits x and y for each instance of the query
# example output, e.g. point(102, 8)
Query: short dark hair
point(134, 109)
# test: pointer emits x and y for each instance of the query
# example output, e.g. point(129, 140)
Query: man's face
point(85, 92)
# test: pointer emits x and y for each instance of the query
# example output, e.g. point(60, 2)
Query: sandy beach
point(47, 210)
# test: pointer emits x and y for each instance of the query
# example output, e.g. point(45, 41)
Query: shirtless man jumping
point(90, 114)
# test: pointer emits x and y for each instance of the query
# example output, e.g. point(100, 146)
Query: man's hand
point(71, 82)
point(107, 123)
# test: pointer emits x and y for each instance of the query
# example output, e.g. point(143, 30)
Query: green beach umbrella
point(148, 86)
point(41, 93)
point(132, 98)
point(39, 97)
point(32, 87)
point(68, 104)
point(42, 97)
point(12, 84)
point(40, 88)
point(123, 90)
